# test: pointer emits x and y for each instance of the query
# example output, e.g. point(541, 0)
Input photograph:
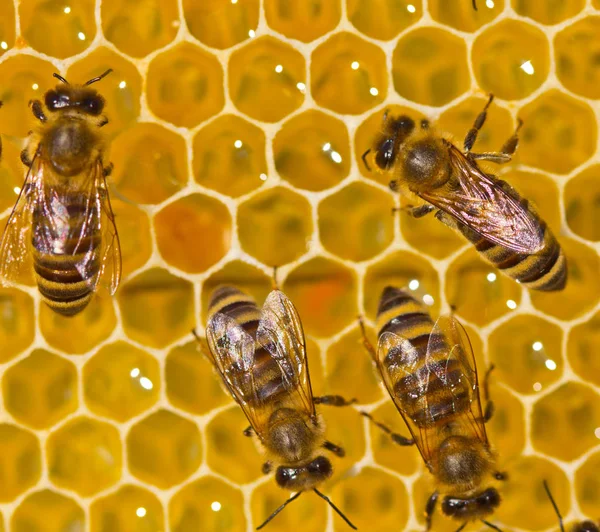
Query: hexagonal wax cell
point(84, 455)
point(128, 508)
point(565, 422)
point(429, 66)
point(275, 226)
point(21, 461)
point(181, 223)
point(582, 346)
point(582, 203)
point(461, 15)
point(506, 429)
point(7, 27)
point(301, 21)
point(500, 64)
point(221, 23)
point(355, 222)
point(229, 156)
point(185, 85)
point(348, 74)
point(164, 449)
point(121, 381)
point(207, 504)
point(41, 389)
point(383, 19)
point(312, 151)
point(58, 30)
point(47, 511)
point(17, 327)
point(156, 307)
point(559, 132)
point(267, 79)
point(123, 25)
point(548, 11)
point(587, 486)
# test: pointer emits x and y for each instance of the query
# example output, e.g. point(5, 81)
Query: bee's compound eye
point(320, 465)
point(489, 498)
point(51, 100)
point(284, 476)
point(385, 154)
point(93, 106)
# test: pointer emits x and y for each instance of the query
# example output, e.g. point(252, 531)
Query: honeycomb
point(236, 132)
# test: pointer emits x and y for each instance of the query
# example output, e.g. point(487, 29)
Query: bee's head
point(476, 507)
point(586, 526)
point(304, 477)
point(395, 131)
point(77, 97)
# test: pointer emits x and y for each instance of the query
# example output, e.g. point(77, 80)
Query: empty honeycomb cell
point(164, 449)
point(525, 504)
point(207, 504)
point(17, 322)
point(577, 49)
point(564, 423)
point(78, 334)
point(479, 292)
point(41, 389)
point(559, 132)
point(506, 429)
point(21, 461)
point(386, 453)
point(47, 511)
point(186, 367)
point(221, 23)
point(401, 269)
point(582, 292)
point(355, 222)
point(275, 226)
point(309, 512)
point(582, 348)
point(312, 151)
point(84, 455)
point(462, 16)
point(151, 151)
point(511, 68)
point(121, 381)
point(7, 26)
point(157, 307)
point(596, 4)
point(527, 353)
point(372, 496)
point(24, 78)
point(134, 235)
point(193, 233)
point(139, 27)
point(121, 89)
point(267, 79)
point(247, 278)
point(383, 19)
point(324, 293)
point(350, 370)
point(58, 29)
point(348, 74)
point(587, 485)
point(226, 443)
point(184, 85)
point(548, 11)
point(130, 508)
point(229, 156)
point(303, 21)
point(582, 203)
point(429, 66)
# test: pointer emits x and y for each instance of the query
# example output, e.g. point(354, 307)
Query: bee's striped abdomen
point(427, 384)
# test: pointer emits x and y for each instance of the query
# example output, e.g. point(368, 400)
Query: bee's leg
point(416, 212)
point(37, 110)
point(267, 467)
point(471, 136)
point(248, 431)
point(489, 404)
point(107, 170)
point(25, 158)
point(103, 121)
point(425, 124)
point(368, 346)
point(396, 438)
point(335, 449)
point(506, 152)
point(333, 400)
point(430, 508)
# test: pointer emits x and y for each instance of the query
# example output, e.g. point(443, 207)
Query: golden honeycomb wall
point(237, 128)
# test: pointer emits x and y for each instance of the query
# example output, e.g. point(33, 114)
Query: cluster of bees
point(63, 220)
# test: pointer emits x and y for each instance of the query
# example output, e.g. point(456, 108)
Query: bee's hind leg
point(333, 400)
point(396, 438)
point(489, 404)
point(416, 212)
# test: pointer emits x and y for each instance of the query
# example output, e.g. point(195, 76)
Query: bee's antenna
point(560, 519)
point(364, 159)
point(59, 77)
point(491, 525)
point(461, 527)
point(475, 5)
point(337, 510)
point(292, 498)
point(93, 80)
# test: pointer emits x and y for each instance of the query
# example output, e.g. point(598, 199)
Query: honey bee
point(430, 373)
point(583, 526)
point(437, 176)
point(261, 357)
point(63, 215)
